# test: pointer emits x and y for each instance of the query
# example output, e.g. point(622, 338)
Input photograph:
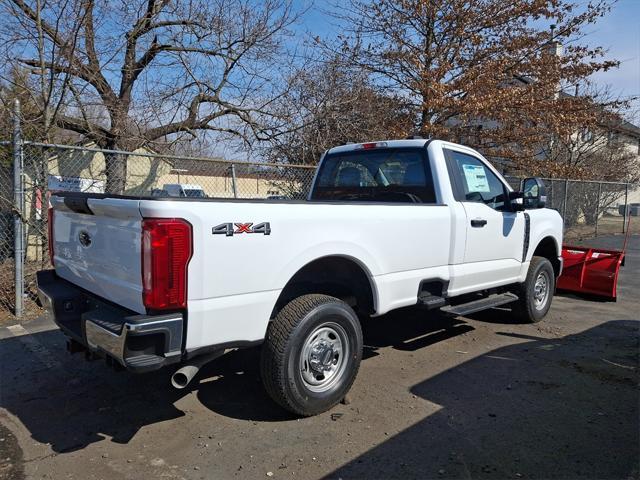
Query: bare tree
point(331, 104)
point(19, 86)
point(137, 73)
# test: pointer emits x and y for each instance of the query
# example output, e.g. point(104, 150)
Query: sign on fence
point(57, 183)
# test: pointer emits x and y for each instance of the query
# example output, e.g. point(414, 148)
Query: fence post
point(626, 208)
point(18, 199)
point(564, 204)
point(234, 185)
point(598, 206)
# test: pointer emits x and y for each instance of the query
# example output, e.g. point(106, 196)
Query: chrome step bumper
point(138, 342)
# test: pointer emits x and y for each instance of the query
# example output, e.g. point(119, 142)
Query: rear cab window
point(397, 175)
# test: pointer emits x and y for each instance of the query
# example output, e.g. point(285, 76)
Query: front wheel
point(311, 354)
point(536, 292)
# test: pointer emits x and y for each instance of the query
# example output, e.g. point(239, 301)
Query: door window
point(477, 182)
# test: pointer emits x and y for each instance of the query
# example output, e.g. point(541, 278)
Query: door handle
point(478, 222)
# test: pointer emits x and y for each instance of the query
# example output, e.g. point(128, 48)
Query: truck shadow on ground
point(564, 407)
point(69, 403)
point(412, 329)
point(231, 386)
point(544, 408)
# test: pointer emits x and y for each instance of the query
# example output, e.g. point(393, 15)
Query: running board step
point(481, 304)
point(431, 301)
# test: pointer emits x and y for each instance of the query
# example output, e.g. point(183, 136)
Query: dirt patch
point(11, 467)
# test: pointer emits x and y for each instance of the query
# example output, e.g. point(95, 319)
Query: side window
point(479, 183)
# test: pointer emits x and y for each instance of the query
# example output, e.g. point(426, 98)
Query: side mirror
point(534, 193)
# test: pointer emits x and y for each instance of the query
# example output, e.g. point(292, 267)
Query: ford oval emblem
point(84, 238)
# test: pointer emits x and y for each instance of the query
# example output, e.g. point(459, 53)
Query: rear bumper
point(139, 343)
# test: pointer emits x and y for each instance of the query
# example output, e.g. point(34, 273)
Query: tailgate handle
point(478, 222)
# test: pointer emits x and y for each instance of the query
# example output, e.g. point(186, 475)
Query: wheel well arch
point(335, 275)
point(548, 249)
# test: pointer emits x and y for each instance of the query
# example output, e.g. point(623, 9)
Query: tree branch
point(48, 29)
point(82, 126)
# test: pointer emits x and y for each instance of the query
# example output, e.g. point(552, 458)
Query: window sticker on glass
point(476, 178)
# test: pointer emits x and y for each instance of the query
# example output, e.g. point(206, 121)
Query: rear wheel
point(311, 354)
point(536, 292)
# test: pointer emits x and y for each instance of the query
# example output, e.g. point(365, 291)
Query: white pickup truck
point(152, 282)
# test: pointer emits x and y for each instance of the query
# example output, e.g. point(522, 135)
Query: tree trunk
point(116, 172)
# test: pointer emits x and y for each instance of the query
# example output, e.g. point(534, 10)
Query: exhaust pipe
point(183, 376)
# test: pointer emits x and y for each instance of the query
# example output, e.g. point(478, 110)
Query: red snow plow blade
point(592, 271)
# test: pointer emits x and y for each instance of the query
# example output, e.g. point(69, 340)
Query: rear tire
point(311, 354)
point(536, 293)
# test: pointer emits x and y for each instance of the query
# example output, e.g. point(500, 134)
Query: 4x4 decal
point(228, 228)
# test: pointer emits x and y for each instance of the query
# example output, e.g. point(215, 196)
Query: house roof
point(628, 127)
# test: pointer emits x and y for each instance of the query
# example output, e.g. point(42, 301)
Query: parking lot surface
point(436, 397)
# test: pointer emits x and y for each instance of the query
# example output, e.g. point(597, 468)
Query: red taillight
point(50, 234)
point(166, 251)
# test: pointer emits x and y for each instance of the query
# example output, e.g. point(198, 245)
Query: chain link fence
point(142, 173)
point(588, 208)
point(7, 263)
point(48, 168)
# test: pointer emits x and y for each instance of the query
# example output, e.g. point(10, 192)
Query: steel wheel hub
point(541, 290)
point(323, 357)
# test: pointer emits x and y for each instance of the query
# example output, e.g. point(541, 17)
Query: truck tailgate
point(97, 247)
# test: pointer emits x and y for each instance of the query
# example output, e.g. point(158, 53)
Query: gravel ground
point(436, 397)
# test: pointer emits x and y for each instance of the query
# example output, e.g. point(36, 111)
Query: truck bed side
point(235, 281)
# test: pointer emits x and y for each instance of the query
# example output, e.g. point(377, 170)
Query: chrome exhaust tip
point(183, 376)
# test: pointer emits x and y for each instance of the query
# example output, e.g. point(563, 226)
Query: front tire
point(311, 354)
point(536, 292)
